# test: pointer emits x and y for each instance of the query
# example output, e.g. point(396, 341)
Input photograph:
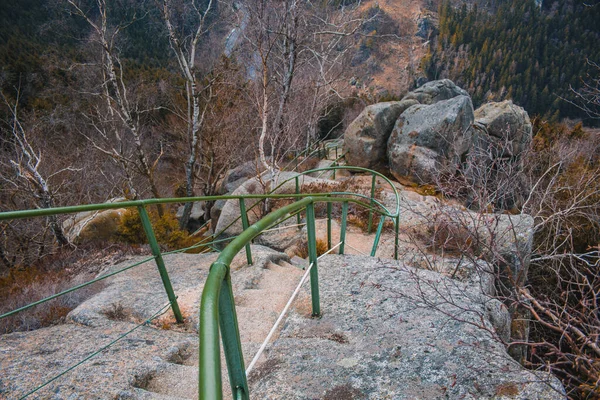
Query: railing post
point(396, 236)
point(232, 347)
point(371, 203)
point(336, 152)
point(328, 225)
point(334, 165)
point(164, 275)
point(245, 226)
point(343, 226)
point(312, 259)
point(377, 235)
point(298, 219)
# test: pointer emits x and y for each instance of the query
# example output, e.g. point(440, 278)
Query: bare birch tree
point(26, 164)
point(122, 116)
point(185, 49)
point(296, 51)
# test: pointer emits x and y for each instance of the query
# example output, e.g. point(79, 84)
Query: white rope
point(354, 248)
point(274, 328)
point(285, 310)
point(330, 250)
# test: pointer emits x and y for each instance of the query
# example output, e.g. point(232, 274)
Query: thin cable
point(157, 314)
point(355, 249)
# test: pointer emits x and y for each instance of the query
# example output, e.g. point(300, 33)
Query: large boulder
point(502, 134)
point(365, 139)
point(235, 177)
point(434, 91)
point(429, 139)
point(229, 224)
point(94, 225)
point(506, 125)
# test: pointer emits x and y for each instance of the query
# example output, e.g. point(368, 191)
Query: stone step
point(179, 381)
point(257, 308)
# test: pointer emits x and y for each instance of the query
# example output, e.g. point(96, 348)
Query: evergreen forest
point(532, 53)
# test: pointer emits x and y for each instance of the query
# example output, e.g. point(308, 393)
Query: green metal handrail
point(225, 312)
point(217, 308)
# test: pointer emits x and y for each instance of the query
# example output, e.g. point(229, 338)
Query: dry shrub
point(64, 269)
point(322, 248)
point(166, 229)
point(444, 235)
point(24, 286)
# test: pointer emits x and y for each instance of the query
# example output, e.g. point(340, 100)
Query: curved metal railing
point(217, 298)
point(217, 308)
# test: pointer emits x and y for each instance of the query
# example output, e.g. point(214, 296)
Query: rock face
point(505, 126)
point(366, 137)
point(378, 338)
point(428, 139)
point(229, 225)
point(435, 91)
point(93, 225)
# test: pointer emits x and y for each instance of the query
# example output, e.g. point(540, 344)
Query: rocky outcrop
point(235, 177)
point(94, 225)
point(434, 91)
point(229, 223)
point(505, 127)
point(392, 331)
point(429, 139)
point(427, 26)
point(365, 139)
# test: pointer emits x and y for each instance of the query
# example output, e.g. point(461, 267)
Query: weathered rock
point(505, 128)
point(428, 139)
point(365, 139)
point(230, 225)
point(339, 173)
point(94, 225)
point(235, 177)
point(391, 331)
point(435, 91)
point(197, 211)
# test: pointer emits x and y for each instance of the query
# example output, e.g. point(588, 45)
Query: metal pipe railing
point(211, 316)
point(218, 307)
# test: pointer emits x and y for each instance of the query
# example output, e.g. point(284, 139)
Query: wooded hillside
point(522, 52)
